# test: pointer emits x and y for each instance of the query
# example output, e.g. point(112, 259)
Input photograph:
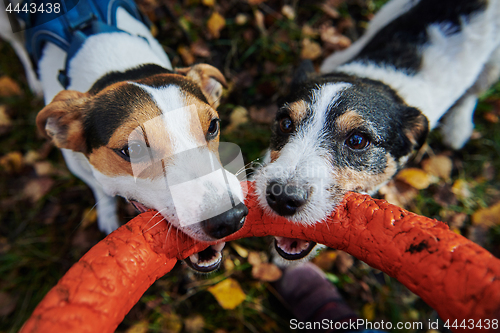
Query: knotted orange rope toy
point(455, 276)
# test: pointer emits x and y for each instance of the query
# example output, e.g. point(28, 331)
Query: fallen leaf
point(263, 115)
point(36, 188)
point(398, 192)
point(439, 166)
point(208, 3)
point(254, 258)
point(368, 311)
point(12, 162)
point(44, 168)
point(308, 31)
point(7, 304)
point(171, 322)
point(417, 178)
point(344, 262)
point(491, 117)
point(487, 217)
point(461, 189)
point(266, 272)
point(326, 259)
point(457, 221)
point(228, 264)
point(288, 12)
point(31, 157)
point(241, 19)
point(333, 39)
point(194, 324)
point(238, 117)
point(200, 49)
point(186, 55)
point(89, 217)
point(9, 87)
point(310, 50)
point(215, 24)
point(5, 121)
point(256, 2)
point(228, 293)
point(259, 21)
point(140, 327)
point(330, 10)
point(240, 250)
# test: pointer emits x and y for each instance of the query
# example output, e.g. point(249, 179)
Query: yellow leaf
point(417, 178)
point(439, 166)
point(326, 259)
point(215, 24)
point(140, 327)
point(487, 217)
point(368, 311)
point(209, 3)
point(8, 87)
point(171, 322)
point(240, 250)
point(310, 50)
point(228, 293)
point(12, 162)
point(461, 189)
point(266, 272)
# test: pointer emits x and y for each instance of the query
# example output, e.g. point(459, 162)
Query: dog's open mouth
point(292, 248)
point(205, 261)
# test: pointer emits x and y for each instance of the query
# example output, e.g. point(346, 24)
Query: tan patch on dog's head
point(298, 111)
point(348, 121)
point(362, 181)
point(275, 154)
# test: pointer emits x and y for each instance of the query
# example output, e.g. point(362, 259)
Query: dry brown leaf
point(7, 304)
point(31, 157)
point(417, 178)
point(398, 193)
point(330, 10)
point(310, 50)
point(36, 188)
point(9, 87)
point(254, 258)
point(194, 324)
point(487, 217)
point(12, 162)
point(215, 24)
point(288, 12)
point(256, 2)
point(241, 19)
point(326, 259)
point(44, 168)
point(5, 121)
point(344, 262)
point(263, 115)
point(186, 55)
point(439, 166)
point(333, 39)
point(266, 272)
point(259, 21)
point(308, 31)
point(140, 327)
point(228, 293)
point(238, 117)
point(491, 117)
point(200, 49)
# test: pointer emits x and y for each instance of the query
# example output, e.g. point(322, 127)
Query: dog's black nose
point(285, 199)
point(226, 223)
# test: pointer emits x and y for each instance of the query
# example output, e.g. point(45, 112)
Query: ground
point(48, 221)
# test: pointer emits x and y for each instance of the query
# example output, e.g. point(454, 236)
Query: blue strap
point(79, 20)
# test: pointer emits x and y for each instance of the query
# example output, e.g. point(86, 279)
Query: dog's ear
point(210, 80)
point(415, 127)
point(62, 120)
point(303, 73)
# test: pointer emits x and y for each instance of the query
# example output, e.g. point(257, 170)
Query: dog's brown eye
point(357, 141)
point(286, 125)
point(134, 152)
point(213, 129)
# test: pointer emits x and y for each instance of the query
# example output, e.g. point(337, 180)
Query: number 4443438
point(485, 324)
point(34, 8)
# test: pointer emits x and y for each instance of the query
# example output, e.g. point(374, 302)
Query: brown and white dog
point(354, 126)
point(130, 125)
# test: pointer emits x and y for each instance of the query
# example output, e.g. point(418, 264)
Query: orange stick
point(455, 276)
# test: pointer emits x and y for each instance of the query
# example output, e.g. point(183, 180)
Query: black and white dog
point(127, 123)
point(420, 64)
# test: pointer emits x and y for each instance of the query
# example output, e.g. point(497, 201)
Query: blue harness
point(79, 20)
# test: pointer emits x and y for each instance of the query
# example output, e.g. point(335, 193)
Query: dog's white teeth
point(194, 258)
point(218, 247)
point(214, 260)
